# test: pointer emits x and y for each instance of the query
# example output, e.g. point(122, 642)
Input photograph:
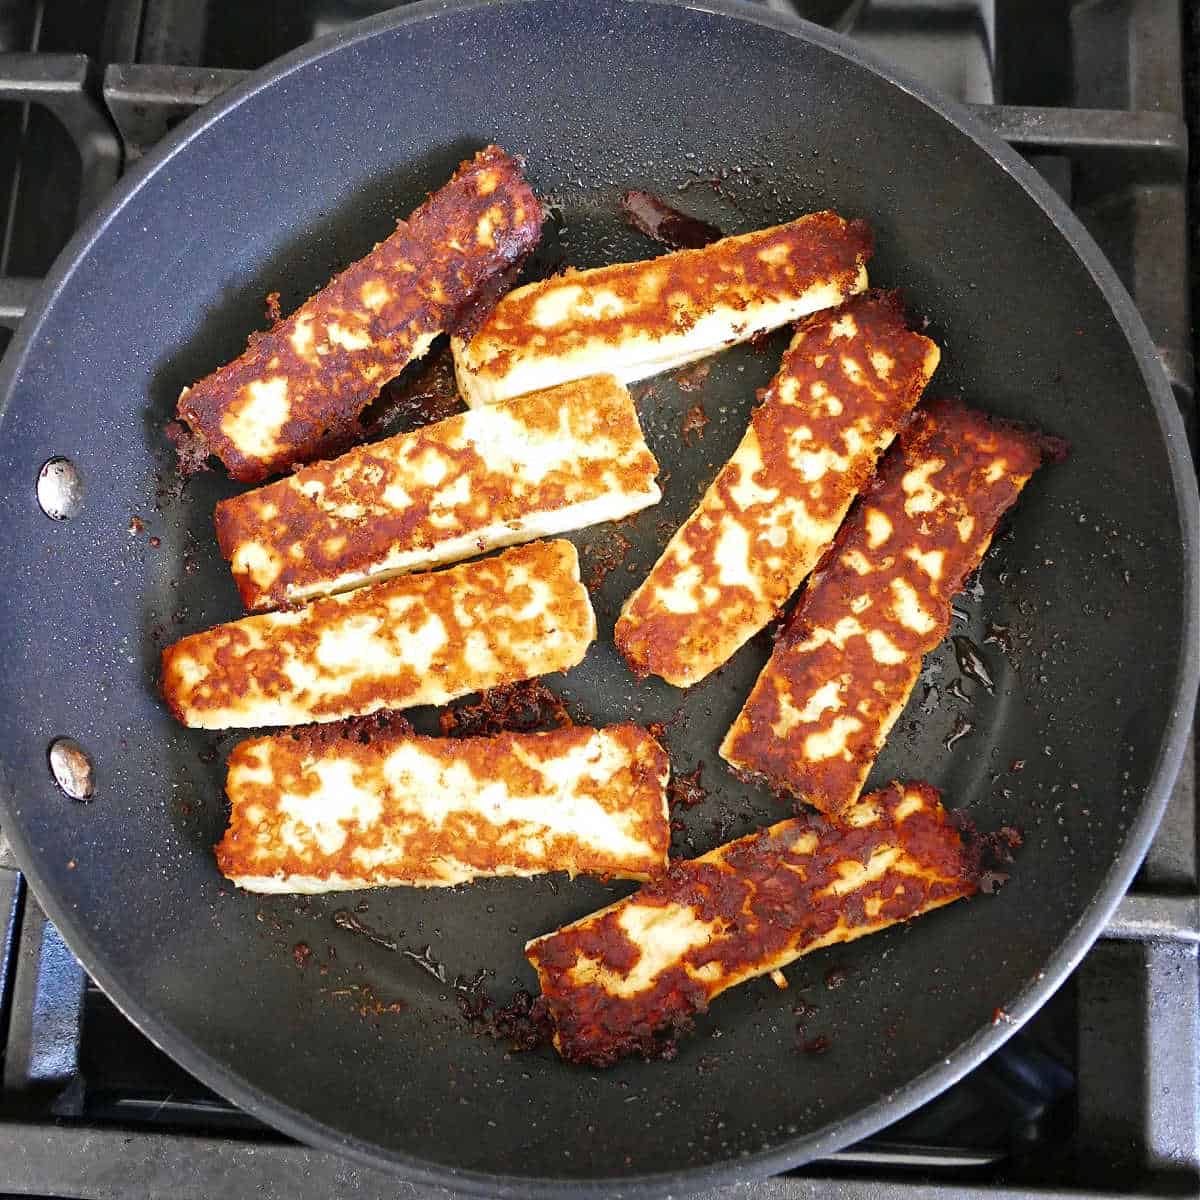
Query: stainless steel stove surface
point(1099, 1094)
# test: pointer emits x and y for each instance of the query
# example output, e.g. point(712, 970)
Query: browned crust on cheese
point(465, 599)
point(252, 846)
point(771, 904)
point(439, 269)
point(655, 640)
point(952, 447)
point(753, 268)
point(313, 542)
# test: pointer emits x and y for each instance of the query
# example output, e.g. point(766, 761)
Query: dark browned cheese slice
point(300, 387)
point(843, 669)
point(627, 978)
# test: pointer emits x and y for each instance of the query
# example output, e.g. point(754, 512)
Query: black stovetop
point(1098, 1095)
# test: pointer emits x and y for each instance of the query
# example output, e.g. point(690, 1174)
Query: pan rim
point(888, 1107)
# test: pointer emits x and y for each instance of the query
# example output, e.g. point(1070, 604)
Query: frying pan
point(756, 119)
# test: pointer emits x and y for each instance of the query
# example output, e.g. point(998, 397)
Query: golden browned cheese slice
point(846, 385)
point(532, 467)
point(843, 668)
point(626, 979)
point(637, 319)
point(300, 387)
point(419, 639)
point(320, 812)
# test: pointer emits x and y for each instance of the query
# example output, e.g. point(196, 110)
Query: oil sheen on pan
point(842, 670)
point(530, 467)
point(629, 978)
point(323, 811)
point(636, 319)
point(305, 381)
point(845, 387)
point(417, 639)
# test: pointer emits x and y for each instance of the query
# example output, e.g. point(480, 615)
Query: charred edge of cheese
point(619, 980)
point(318, 814)
point(845, 386)
point(420, 639)
point(637, 319)
point(531, 467)
point(300, 386)
point(843, 669)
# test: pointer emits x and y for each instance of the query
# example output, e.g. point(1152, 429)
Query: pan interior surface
point(742, 124)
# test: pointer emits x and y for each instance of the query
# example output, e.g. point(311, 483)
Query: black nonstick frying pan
point(744, 119)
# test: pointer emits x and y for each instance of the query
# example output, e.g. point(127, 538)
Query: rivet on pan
point(71, 766)
point(59, 489)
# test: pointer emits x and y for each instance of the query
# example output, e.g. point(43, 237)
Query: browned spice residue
point(522, 1022)
point(370, 1005)
point(352, 729)
point(514, 708)
point(301, 953)
point(686, 791)
point(192, 456)
point(603, 556)
point(364, 1000)
point(694, 422)
point(835, 977)
point(274, 313)
point(694, 376)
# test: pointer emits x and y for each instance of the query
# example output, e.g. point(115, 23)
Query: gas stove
point(1099, 1094)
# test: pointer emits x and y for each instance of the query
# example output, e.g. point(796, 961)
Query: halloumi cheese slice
point(637, 319)
point(322, 813)
point(531, 467)
point(843, 669)
point(419, 639)
point(303, 383)
point(628, 978)
point(846, 385)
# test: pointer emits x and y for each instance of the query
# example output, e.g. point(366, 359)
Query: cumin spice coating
point(641, 318)
point(315, 815)
point(530, 467)
point(845, 387)
point(695, 421)
point(417, 639)
point(513, 708)
point(300, 387)
point(844, 667)
point(686, 791)
point(630, 977)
